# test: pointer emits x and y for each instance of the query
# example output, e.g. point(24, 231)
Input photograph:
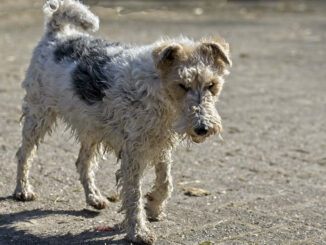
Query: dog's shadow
point(9, 234)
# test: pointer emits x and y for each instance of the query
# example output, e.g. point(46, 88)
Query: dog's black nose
point(201, 130)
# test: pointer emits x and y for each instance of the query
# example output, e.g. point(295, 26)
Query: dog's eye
point(210, 87)
point(183, 87)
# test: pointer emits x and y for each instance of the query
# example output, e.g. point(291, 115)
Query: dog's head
point(192, 76)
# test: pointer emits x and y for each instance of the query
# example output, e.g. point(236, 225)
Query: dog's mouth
point(198, 139)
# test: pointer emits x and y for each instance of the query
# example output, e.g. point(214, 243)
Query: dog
point(135, 101)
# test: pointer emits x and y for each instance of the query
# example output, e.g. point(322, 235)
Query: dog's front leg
point(162, 189)
point(130, 174)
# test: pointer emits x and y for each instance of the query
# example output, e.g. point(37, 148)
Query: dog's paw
point(155, 217)
point(154, 211)
point(22, 195)
point(97, 202)
point(142, 237)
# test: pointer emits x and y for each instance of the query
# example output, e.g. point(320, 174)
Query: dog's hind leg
point(86, 163)
point(162, 189)
point(37, 123)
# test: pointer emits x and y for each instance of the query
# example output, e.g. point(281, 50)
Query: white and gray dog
point(137, 101)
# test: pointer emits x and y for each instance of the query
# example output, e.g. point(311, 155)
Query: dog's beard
point(185, 127)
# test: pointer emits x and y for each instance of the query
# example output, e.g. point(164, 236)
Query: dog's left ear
point(166, 54)
point(217, 51)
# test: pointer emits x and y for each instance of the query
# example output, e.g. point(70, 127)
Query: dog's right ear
point(166, 54)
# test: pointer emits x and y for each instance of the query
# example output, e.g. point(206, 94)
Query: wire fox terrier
point(137, 101)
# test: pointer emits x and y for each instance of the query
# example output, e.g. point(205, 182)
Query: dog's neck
point(147, 80)
point(147, 76)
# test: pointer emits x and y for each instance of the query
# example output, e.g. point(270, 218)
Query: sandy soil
point(267, 180)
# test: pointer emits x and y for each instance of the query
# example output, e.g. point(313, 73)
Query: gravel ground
point(267, 180)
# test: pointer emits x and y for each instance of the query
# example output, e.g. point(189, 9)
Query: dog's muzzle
point(202, 131)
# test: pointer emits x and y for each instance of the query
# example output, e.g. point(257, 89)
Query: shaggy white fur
point(137, 101)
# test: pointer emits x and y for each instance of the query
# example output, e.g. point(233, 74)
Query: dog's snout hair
point(205, 119)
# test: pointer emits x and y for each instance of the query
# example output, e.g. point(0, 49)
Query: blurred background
point(266, 182)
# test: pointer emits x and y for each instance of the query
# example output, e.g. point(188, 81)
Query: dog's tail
point(60, 13)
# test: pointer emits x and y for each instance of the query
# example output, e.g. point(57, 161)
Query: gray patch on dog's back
point(93, 73)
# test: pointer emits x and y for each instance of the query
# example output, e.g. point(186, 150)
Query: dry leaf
point(206, 243)
point(197, 192)
point(58, 199)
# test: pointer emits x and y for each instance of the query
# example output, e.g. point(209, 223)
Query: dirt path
point(268, 179)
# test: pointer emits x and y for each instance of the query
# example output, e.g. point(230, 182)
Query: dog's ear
point(166, 54)
point(216, 50)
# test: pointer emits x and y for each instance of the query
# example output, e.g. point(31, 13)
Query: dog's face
point(192, 78)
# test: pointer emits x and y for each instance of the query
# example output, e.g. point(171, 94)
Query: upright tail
point(60, 13)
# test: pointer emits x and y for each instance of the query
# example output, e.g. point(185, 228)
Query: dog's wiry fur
point(137, 101)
